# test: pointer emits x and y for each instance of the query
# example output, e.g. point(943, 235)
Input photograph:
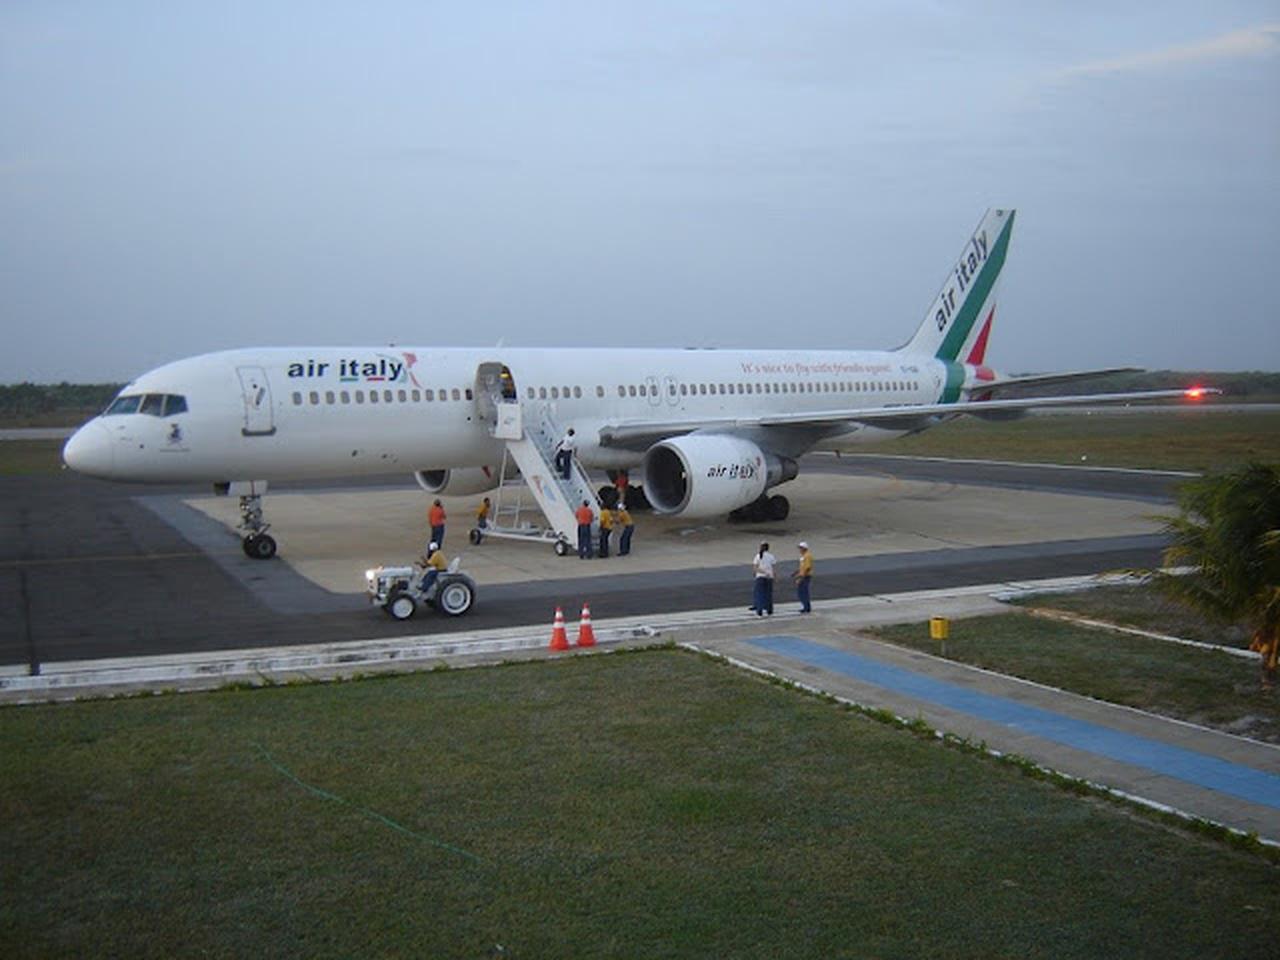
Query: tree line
point(33, 399)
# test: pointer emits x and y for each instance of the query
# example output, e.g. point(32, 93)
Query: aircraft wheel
point(561, 548)
point(400, 606)
point(455, 597)
point(260, 546)
point(779, 507)
point(476, 536)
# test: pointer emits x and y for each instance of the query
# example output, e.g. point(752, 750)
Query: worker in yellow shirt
point(482, 513)
point(803, 577)
point(622, 518)
point(435, 563)
point(606, 528)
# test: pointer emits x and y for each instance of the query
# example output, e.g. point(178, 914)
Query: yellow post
point(939, 627)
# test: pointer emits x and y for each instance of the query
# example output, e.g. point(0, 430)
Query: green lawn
point(1201, 686)
point(1191, 440)
point(653, 804)
point(1140, 606)
point(25, 457)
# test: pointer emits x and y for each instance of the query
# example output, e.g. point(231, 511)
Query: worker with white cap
point(435, 564)
point(803, 576)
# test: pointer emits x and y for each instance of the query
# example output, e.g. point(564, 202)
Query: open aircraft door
point(259, 420)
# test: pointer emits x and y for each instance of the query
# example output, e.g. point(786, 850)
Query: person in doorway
point(762, 565)
point(584, 516)
point(435, 520)
point(434, 562)
point(482, 514)
point(622, 518)
point(803, 577)
point(564, 453)
point(606, 529)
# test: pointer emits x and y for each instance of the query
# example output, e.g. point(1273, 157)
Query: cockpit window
point(124, 405)
point(152, 404)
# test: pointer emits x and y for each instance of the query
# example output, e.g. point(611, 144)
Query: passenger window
point(314, 397)
point(622, 391)
point(297, 399)
point(469, 394)
point(346, 397)
point(542, 393)
point(555, 393)
point(373, 396)
point(429, 396)
point(564, 392)
point(599, 391)
point(328, 397)
point(359, 396)
point(417, 396)
point(577, 393)
point(631, 390)
point(386, 395)
point(530, 392)
point(402, 395)
point(457, 394)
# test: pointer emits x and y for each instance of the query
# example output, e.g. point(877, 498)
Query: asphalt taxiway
point(93, 570)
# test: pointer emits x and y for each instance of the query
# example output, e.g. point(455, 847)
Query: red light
point(1194, 393)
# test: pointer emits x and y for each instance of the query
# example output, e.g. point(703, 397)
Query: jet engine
point(706, 475)
point(457, 482)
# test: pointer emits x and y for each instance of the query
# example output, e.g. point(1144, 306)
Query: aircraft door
point(259, 420)
point(671, 389)
point(655, 399)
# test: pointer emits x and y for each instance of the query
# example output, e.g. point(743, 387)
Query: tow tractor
point(398, 590)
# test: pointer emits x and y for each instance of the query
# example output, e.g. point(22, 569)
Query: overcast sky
point(183, 177)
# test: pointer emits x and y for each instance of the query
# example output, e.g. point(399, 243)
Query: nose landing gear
point(257, 543)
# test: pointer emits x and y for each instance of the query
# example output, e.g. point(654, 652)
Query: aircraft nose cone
point(90, 451)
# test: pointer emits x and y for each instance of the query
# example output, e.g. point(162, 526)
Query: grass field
point(1144, 607)
point(27, 457)
point(1184, 440)
point(652, 804)
point(1201, 686)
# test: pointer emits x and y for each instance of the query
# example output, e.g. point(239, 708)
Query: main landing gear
point(763, 508)
point(257, 543)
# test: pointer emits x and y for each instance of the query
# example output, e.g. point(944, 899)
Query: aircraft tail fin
point(958, 323)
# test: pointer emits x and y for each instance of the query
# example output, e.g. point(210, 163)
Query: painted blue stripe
point(1256, 786)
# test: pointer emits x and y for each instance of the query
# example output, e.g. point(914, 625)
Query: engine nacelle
point(705, 475)
point(457, 482)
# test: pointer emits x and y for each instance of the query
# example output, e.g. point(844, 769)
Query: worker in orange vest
point(435, 519)
point(585, 516)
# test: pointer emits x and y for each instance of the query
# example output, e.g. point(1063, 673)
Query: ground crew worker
point(606, 528)
point(482, 514)
point(564, 453)
point(762, 588)
point(435, 563)
point(585, 516)
point(621, 482)
point(435, 519)
point(803, 576)
point(623, 519)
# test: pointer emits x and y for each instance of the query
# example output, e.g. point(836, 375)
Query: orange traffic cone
point(586, 636)
point(559, 640)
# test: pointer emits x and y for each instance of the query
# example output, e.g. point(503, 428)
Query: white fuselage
point(311, 412)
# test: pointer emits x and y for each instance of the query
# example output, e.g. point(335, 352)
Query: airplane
point(710, 431)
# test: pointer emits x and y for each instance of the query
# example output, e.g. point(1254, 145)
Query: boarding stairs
point(531, 435)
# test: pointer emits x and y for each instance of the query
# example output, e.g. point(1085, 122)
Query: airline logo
point(381, 369)
point(732, 471)
point(966, 271)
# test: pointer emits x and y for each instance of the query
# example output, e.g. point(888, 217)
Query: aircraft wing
point(1043, 379)
point(636, 433)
